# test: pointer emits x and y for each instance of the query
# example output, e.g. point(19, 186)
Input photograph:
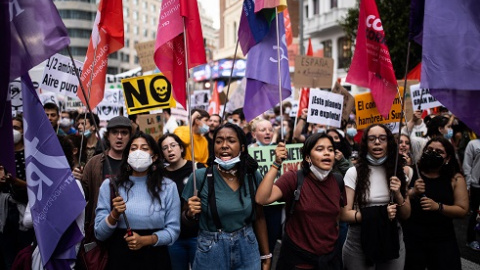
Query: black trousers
point(474, 204)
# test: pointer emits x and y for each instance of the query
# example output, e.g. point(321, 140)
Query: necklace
point(232, 172)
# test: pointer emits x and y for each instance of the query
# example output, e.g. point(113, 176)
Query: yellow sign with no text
point(367, 112)
point(146, 93)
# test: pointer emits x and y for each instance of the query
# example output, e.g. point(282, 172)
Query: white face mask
point(139, 160)
point(320, 174)
point(17, 136)
point(65, 122)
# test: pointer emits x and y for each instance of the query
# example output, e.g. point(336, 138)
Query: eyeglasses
point(172, 145)
point(124, 133)
point(438, 151)
point(373, 138)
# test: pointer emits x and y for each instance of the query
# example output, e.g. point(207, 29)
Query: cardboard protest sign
point(145, 52)
point(59, 75)
point(313, 72)
point(422, 99)
point(151, 124)
point(348, 100)
point(146, 93)
point(325, 108)
point(265, 155)
point(367, 112)
point(107, 111)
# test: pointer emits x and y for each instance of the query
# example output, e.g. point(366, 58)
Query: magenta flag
point(451, 57)
point(261, 90)
point(54, 196)
point(37, 32)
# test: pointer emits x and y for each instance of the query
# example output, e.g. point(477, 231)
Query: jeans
point(182, 253)
point(222, 250)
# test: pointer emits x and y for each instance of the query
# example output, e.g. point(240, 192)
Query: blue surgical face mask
point(261, 144)
point(227, 164)
point(449, 134)
point(278, 118)
point(376, 162)
point(284, 130)
point(351, 132)
point(87, 133)
point(321, 130)
point(204, 129)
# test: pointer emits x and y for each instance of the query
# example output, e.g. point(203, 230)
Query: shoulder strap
point(341, 187)
point(212, 202)
point(204, 178)
point(296, 193)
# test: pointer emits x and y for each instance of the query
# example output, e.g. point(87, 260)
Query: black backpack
point(300, 179)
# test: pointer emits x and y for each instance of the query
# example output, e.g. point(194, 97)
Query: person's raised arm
point(267, 192)
point(302, 121)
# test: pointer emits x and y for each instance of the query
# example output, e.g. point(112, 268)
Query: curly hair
point(247, 164)
point(155, 171)
point(449, 169)
point(307, 147)
point(363, 171)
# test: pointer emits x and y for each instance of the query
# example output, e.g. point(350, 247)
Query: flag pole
point(230, 78)
point(279, 75)
point(189, 108)
point(97, 130)
point(402, 116)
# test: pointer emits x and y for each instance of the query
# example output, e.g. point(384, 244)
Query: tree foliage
point(395, 16)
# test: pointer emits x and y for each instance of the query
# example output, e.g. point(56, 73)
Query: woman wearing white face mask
point(151, 203)
point(232, 227)
point(318, 205)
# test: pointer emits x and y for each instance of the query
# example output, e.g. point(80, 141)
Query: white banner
point(59, 75)
point(422, 98)
point(48, 97)
point(107, 111)
point(200, 99)
point(325, 108)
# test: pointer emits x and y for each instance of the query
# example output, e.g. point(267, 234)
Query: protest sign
point(348, 100)
point(59, 75)
point(265, 155)
point(313, 72)
point(151, 124)
point(146, 93)
point(107, 111)
point(367, 112)
point(48, 97)
point(422, 99)
point(293, 111)
point(200, 99)
point(325, 108)
point(145, 52)
point(114, 96)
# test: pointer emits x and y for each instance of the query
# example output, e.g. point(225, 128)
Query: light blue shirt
point(142, 212)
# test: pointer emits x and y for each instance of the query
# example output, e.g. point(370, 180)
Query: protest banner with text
point(348, 100)
point(59, 75)
point(151, 124)
point(313, 72)
point(146, 93)
point(422, 99)
point(367, 112)
point(265, 155)
point(325, 108)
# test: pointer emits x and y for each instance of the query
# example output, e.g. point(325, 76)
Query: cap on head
point(119, 122)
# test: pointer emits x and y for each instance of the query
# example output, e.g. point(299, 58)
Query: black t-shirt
point(115, 164)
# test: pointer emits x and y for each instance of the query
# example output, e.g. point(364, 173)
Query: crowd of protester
point(360, 199)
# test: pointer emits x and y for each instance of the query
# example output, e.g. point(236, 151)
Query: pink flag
point(371, 65)
point(261, 4)
point(169, 53)
point(107, 37)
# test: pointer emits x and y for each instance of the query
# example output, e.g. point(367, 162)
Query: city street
point(470, 258)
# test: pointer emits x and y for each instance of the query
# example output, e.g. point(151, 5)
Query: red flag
point(107, 37)
point(169, 47)
point(305, 92)
point(214, 103)
point(371, 65)
point(288, 27)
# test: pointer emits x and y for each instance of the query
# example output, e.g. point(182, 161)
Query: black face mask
point(431, 159)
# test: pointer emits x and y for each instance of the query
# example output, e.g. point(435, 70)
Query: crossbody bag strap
point(212, 202)
point(296, 193)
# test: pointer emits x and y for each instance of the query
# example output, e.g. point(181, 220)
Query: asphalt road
point(472, 257)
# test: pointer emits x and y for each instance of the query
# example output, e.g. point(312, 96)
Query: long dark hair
point(434, 124)
point(344, 145)
point(449, 169)
point(363, 171)
point(247, 164)
point(307, 147)
point(155, 173)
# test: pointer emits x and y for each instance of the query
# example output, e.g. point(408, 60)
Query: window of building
point(144, 5)
point(135, 15)
point(333, 3)
point(79, 33)
point(125, 12)
point(327, 48)
point(112, 70)
point(154, 21)
point(136, 59)
point(135, 30)
point(153, 8)
point(145, 32)
point(127, 42)
point(316, 7)
point(77, 14)
point(144, 18)
point(344, 52)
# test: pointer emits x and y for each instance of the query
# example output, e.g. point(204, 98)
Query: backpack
point(300, 179)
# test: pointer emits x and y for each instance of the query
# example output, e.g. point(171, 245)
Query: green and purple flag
point(53, 195)
point(261, 90)
point(451, 57)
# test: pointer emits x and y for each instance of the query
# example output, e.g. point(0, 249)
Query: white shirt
point(171, 125)
point(378, 194)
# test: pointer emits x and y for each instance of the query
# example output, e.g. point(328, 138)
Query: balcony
point(324, 21)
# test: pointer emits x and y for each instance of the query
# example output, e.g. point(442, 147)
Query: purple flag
point(261, 91)
point(7, 157)
point(37, 32)
point(451, 57)
point(54, 196)
point(253, 27)
point(417, 9)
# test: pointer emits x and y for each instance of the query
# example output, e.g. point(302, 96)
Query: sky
point(212, 7)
